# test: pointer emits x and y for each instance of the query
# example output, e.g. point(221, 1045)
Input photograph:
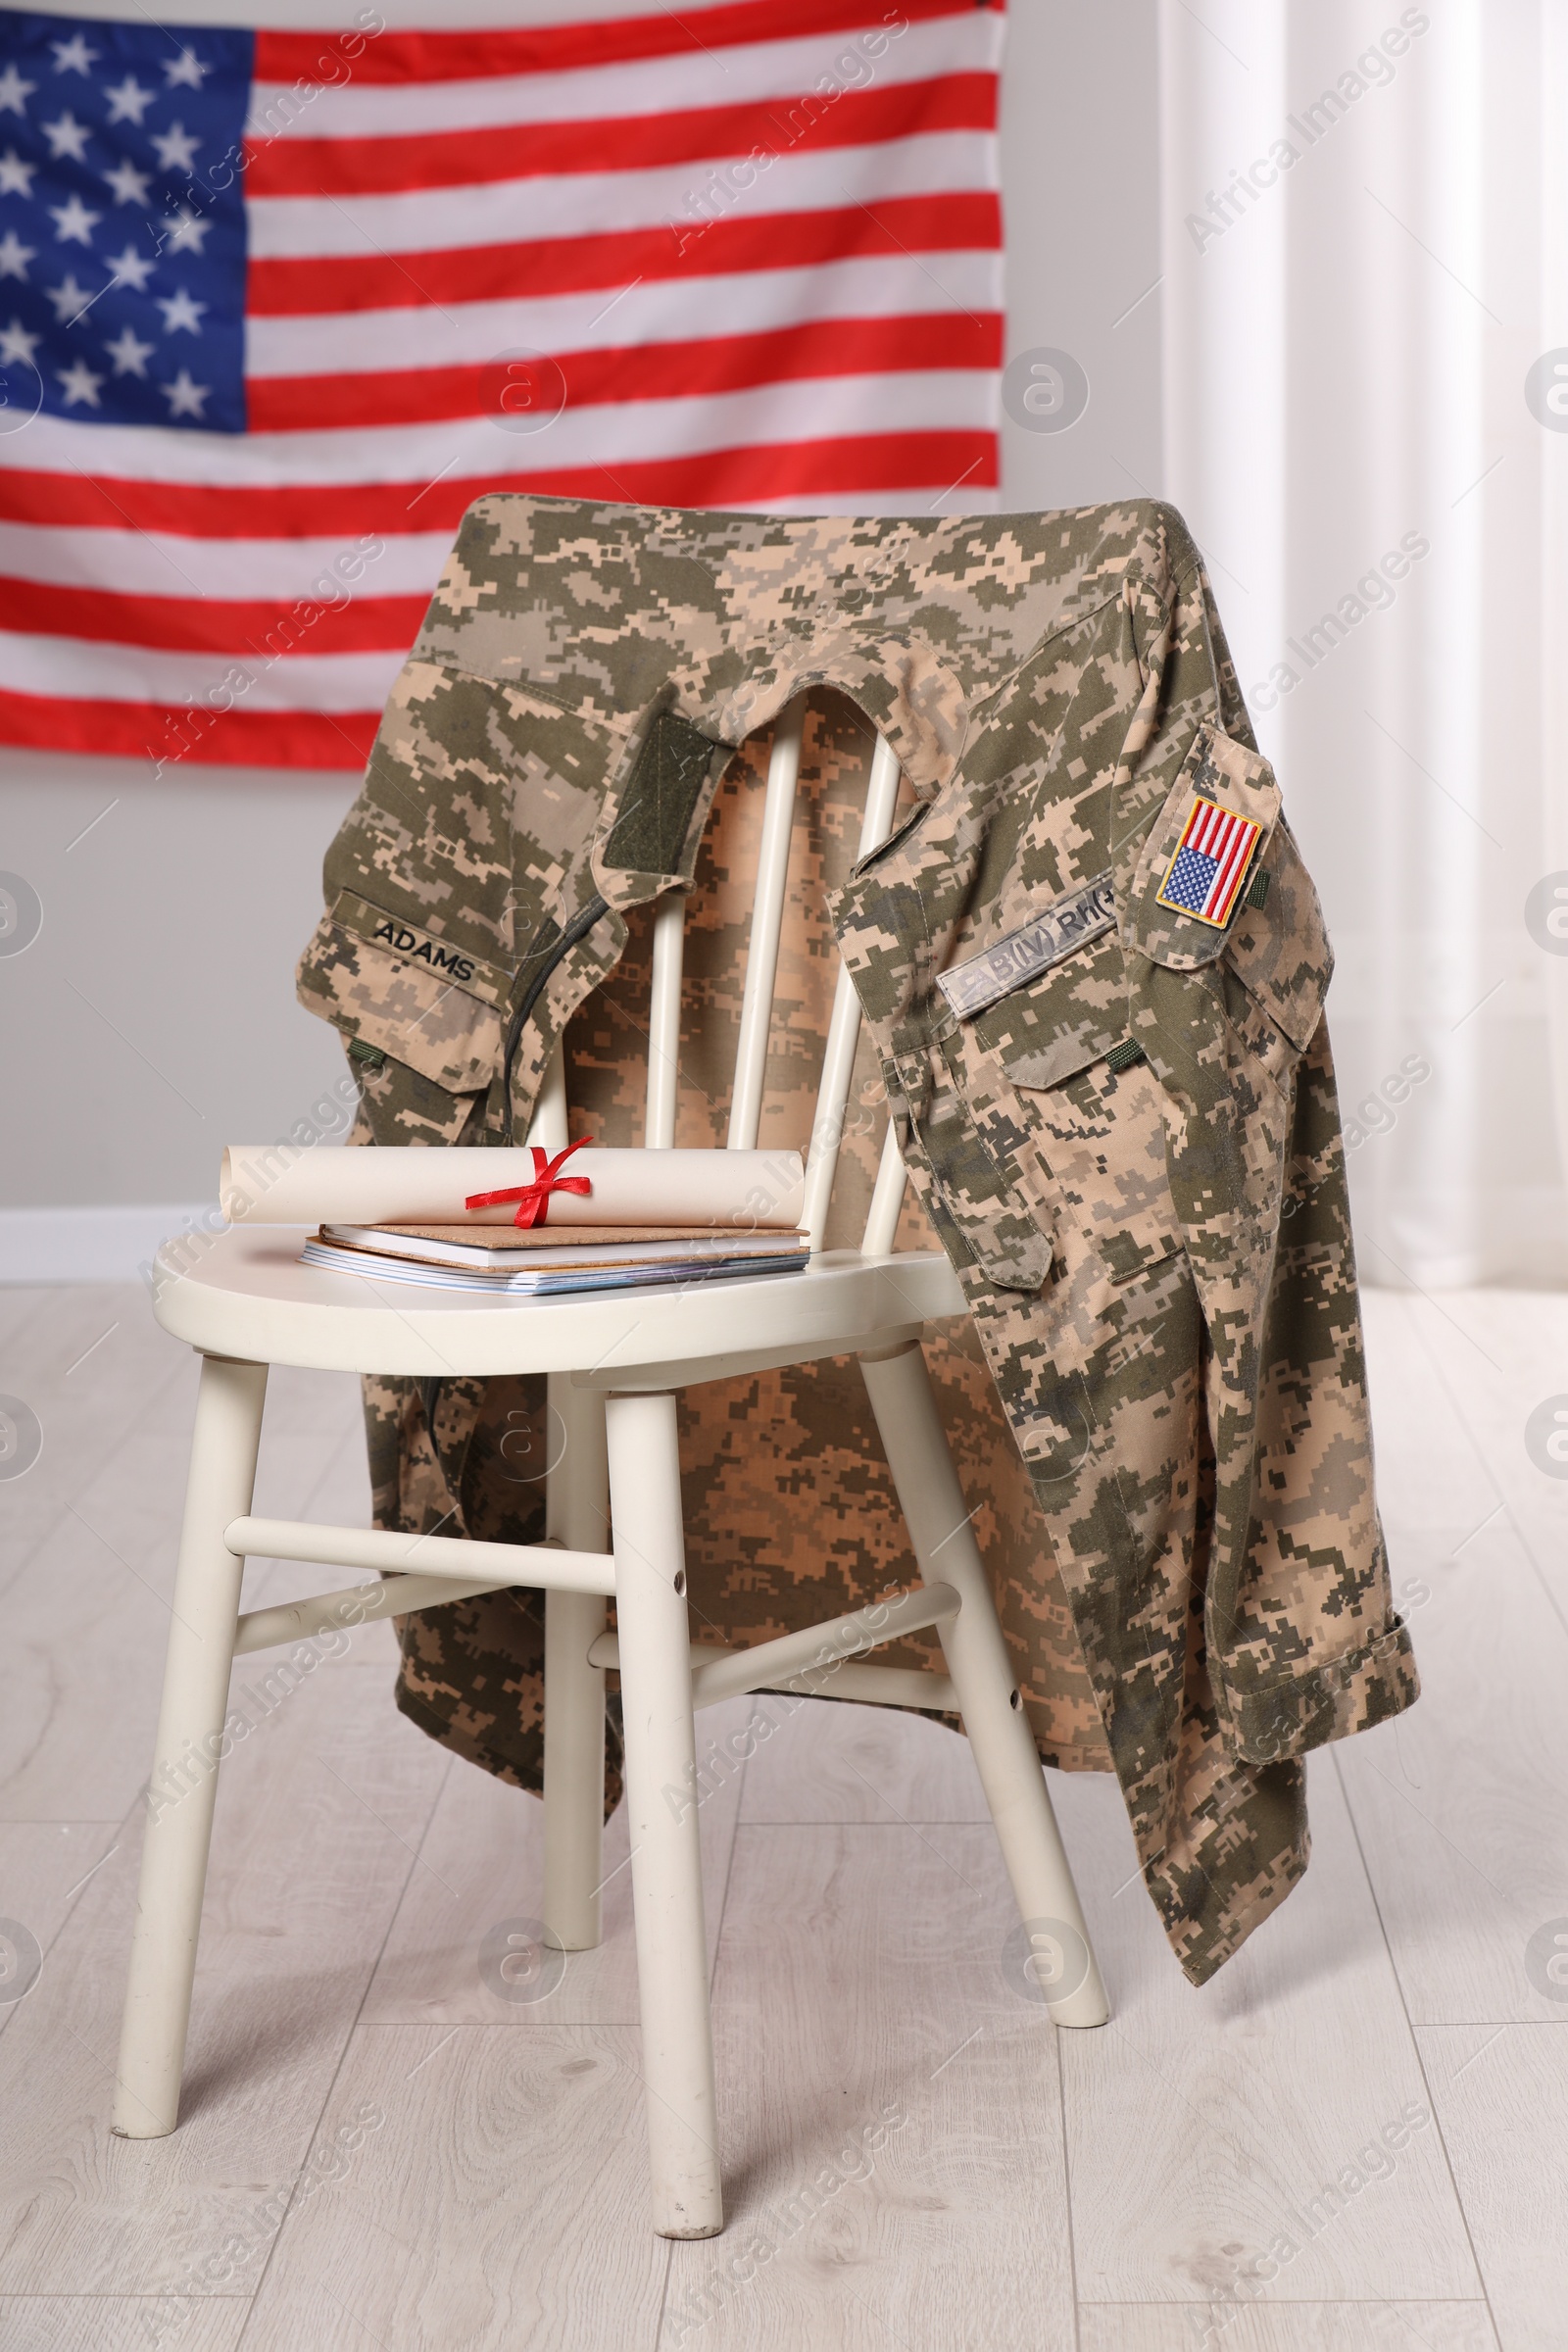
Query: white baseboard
point(90, 1244)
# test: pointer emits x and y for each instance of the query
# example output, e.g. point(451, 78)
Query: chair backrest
point(757, 1008)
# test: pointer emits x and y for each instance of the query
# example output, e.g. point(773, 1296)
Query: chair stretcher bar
point(543, 1566)
point(354, 1605)
point(816, 1657)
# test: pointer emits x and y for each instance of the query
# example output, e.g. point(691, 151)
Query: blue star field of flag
point(122, 223)
point(1191, 879)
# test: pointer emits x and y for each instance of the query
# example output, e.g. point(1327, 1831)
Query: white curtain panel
point(1365, 248)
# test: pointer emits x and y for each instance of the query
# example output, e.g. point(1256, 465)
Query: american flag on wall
point(276, 306)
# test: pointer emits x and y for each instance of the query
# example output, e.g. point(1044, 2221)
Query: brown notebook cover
point(572, 1237)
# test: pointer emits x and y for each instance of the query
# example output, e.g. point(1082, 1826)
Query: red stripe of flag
point(483, 55)
point(745, 476)
point(158, 730)
point(312, 286)
point(1235, 858)
point(455, 159)
point(577, 379)
point(1217, 829)
point(1200, 826)
point(1221, 828)
point(177, 625)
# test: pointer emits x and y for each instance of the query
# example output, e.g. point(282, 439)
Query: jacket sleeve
point(414, 961)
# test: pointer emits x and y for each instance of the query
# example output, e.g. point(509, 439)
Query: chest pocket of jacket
point(1088, 1148)
point(393, 988)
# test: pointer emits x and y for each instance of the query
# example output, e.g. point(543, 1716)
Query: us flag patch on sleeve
point(1204, 877)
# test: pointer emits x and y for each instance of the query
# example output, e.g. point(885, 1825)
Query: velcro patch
point(1068, 925)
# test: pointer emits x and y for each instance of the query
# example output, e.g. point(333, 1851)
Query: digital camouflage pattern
point(1132, 1156)
point(474, 1670)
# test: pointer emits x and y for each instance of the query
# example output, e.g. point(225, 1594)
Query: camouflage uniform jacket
point(1119, 1119)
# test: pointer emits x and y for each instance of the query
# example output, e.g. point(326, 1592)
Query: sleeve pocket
point(1274, 941)
point(1238, 782)
point(404, 1010)
point(1279, 951)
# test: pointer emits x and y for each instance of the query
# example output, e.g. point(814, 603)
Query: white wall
point(1081, 191)
point(154, 1017)
point(1348, 351)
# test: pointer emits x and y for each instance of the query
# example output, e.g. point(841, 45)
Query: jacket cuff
point(1308, 1708)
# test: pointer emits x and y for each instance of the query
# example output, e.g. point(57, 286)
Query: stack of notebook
point(542, 1259)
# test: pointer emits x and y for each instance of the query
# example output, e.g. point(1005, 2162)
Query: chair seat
point(247, 1296)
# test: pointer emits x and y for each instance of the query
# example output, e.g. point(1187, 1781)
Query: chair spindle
point(768, 921)
point(844, 1029)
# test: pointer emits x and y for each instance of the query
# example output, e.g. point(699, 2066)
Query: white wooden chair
point(613, 1371)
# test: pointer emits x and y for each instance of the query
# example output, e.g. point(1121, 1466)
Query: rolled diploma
point(326, 1184)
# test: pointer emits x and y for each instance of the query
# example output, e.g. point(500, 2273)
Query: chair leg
point(577, 1515)
point(189, 1746)
point(662, 1803)
point(976, 1651)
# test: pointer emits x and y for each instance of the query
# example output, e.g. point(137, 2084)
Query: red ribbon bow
point(533, 1199)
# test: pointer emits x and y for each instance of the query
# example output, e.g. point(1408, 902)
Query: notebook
point(540, 1260)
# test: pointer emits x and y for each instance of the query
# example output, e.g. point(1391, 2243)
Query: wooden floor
point(378, 2150)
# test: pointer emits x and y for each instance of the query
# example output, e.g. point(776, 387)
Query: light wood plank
point(44, 1867)
point(1449, 1802)
point(1526, 1334)
point(1429, 1473)
point(305, 1433)
point(100, 1343)
point(319, 1814)
point(487, 1849)
point(134, 1383)
point(47, 1327)
point(891, 2111)
point(1205, 2123)
point(299, 1397)
point(822, 1760)
point(1285, 2328)
point(21, 1307)
point(87, 1618)
point(338, 1494)
point(342, 1494)
point(87, 1628)
point(305, 1475)
point(119, 2323)
point(1502, 2100)
point(92, 1407)
point(460, 2220)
